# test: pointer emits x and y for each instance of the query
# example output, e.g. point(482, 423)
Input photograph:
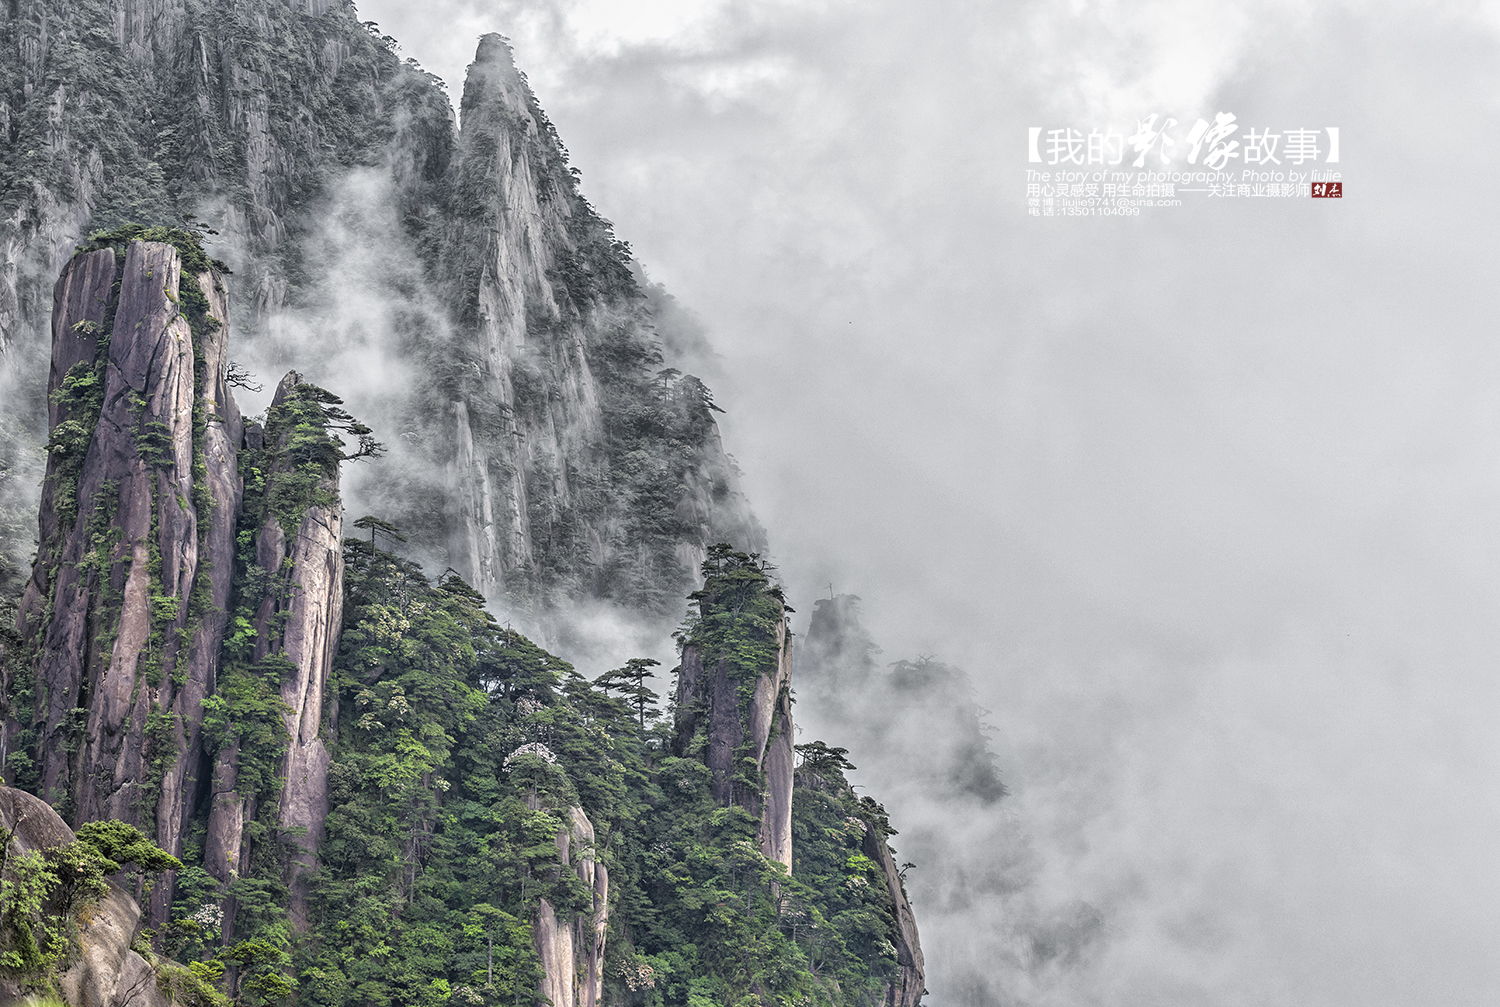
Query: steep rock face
point(124, 605)
point(907, 989)
point(223, 847)
point(771, 731)
point(132, 111)
point(582, 467)
point(108, 973)
point(736, 710)
point(222, 432)
point(297, 616)
point(503, 255)
point(559, 417)
point(123, 624)
point(309, 610)
point(554, 946)
point(572, 954)
point(120, 111)
point(548, 452)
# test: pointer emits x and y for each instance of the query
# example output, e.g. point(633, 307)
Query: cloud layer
point(1203, 500)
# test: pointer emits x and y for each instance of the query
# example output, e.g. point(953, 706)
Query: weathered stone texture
point(181, 788)
point(107, 973)
point(709, 697)
point(572, 951)
point(101, 675)
point(906, 989)
point(298, 617)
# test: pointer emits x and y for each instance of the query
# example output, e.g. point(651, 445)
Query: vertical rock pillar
point(572, 954)
point(905, 989)
point(734, 694)
point(312, 611)
point(124, 606)
point(771, 726)
point(299, 553)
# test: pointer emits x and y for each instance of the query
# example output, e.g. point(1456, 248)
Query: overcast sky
point(1206, 500)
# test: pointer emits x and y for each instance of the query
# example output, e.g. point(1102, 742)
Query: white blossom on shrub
point(638, 975)
point(210, 917)
point(533, 748)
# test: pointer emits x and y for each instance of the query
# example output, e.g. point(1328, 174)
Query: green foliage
point(374, 524)
point(820, 761)
point(42, 892)
point(196, 924)
point(735, 621)
point(193, 985)
point(422, 884)
point(100, 849)
point(298, 466)
point(261, 965)
point(120, 843)
point(187, 241)
point(630, 681)
point(81, 869)
point(735, 616)
point(26, 883)
point(461, 749)
point(153, 441)
point(247, 711)
point(80, 398)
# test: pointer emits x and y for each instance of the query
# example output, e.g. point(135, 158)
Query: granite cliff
point(548, 452)
point(124, 605)
point(122, 624)
point(356, 785)
point(201, 656)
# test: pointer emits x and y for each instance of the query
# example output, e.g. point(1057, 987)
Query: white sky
point(1205, 500)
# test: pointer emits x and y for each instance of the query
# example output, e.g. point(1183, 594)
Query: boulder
point(107, 973)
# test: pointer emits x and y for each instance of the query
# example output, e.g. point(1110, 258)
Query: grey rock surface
point(109, 650)
point(572, 951)
point(298, 617)
point(516, 477)
point(707, 695)
point(106, 973)
point(907, 989)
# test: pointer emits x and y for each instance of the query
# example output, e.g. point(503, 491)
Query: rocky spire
point(734, 694)
point(124, 612)
point(293, 593)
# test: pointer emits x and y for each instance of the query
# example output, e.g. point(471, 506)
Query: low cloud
point(1203, 500)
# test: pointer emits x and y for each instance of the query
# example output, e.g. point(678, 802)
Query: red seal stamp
point(1328, 190)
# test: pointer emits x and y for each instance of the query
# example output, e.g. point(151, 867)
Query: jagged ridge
point(540, 453)
point(180, 663)
point(458, 779)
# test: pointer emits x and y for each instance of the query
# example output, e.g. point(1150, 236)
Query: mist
point(365, 327)
point(1202, 501)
